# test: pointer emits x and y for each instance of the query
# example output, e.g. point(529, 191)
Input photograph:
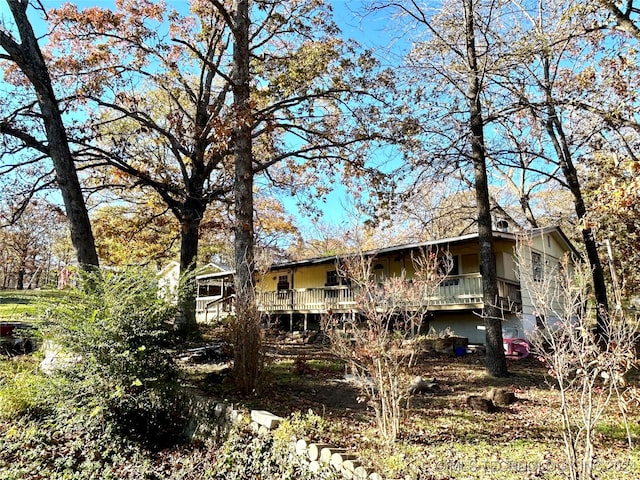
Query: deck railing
point(456, 291)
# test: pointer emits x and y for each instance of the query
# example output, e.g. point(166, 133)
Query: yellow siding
point(394, 264)
point(469, 263)
point(313, 276)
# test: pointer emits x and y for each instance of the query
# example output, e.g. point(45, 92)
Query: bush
point(119, 333)
point(23, 391)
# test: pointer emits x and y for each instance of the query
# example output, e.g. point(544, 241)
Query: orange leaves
point(96, 18)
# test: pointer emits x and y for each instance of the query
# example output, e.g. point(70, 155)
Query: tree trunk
point(20, 279)
point(556, 133)
point(189, 239)
point(495, 359)
point(247, 334)
point(28, 57)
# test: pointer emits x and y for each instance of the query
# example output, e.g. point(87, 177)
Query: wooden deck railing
point(456, 291)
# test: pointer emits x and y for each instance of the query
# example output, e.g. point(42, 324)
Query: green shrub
point(23, 390)
point(120, 333)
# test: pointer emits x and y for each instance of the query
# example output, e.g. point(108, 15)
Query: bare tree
point(453, 48)
point(589, 375)
point(496, 362)
point(374, 341)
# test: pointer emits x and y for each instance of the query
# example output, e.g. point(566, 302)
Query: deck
point(461, 292)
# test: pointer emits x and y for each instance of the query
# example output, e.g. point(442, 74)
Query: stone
point(348, 469)
point(236, 417)
point(266, 419)
point(361, 473)
point(350, 465)
point(56, 359)
point(301, 447)
point(220, 409)
point(338, 458)
point(314, 449)
point(327, 452)
point(422, 385)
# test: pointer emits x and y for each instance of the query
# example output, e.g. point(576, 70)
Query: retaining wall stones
point(314, 454)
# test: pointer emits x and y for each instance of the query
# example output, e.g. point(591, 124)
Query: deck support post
point(305, 321)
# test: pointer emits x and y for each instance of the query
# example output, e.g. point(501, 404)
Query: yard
point(442, 437)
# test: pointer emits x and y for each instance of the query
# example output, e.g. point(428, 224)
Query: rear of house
point(298, 294)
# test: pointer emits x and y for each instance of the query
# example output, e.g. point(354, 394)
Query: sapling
point(587, 366)
point(373, 339)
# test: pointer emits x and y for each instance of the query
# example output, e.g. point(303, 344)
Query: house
point(299, 293)
point(210, 279)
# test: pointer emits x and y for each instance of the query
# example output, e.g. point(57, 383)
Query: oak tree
point(160, 87)
point(452, 55)
point(22, 51)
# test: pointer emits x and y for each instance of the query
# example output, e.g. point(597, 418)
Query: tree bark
point(28, 57)
point(247, 334)
point(20, 280)
point(556, 133)
point(495, 359)
point(191, 216)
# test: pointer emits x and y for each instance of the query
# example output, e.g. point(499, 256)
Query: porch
point(459, 292)
point(456, 293)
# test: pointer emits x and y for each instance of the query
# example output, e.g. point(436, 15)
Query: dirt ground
point(441, 435)
point(307, 376)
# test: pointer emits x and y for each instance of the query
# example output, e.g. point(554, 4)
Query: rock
point(56, 359)
point(501, 396)
point(236, 417)
point(221, 409)
point(327, 453)
point(314, 450)
point(338, 458)
point(482, 404)
point(361, 473)
point(350, 465)
point(266, 419)
point(348, 469)
point(301, 447)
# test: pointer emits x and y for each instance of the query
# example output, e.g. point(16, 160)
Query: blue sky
point(370, 30)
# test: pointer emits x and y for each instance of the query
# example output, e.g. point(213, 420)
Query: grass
point(23, 304)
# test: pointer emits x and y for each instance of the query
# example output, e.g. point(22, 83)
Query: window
point(332, 278)
point(536, 266)
point(283, 282)
point(449, 266)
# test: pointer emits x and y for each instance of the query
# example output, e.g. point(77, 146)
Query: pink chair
point(516, 348)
